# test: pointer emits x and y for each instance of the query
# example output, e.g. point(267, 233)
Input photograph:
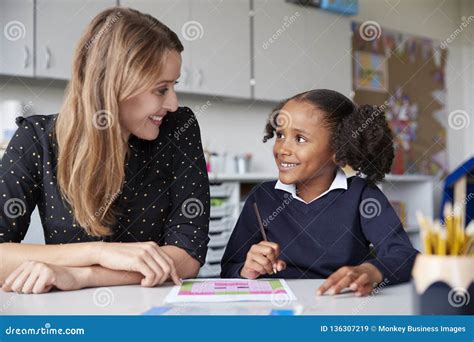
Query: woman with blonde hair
point(122, 199)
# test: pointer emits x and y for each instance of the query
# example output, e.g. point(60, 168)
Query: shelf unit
point(223, 218)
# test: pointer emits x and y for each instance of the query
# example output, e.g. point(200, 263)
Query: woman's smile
point(156, 119)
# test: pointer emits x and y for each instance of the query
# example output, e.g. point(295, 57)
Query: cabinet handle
point(26, 59)
point(186, 76)
point(200, 77)
point(48, 58)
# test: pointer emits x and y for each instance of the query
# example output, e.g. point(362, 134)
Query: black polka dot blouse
point(165, 197)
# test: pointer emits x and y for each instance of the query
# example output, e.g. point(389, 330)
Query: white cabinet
point(174, 14)
point(16, 37)
point(299, 48)
point(279, 39)
point(328, 51)
point(59, 25)
point(286, 48)
point(221, 57)
point(216, 39)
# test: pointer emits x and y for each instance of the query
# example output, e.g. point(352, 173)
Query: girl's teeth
point(288, 165)
point(156, 117)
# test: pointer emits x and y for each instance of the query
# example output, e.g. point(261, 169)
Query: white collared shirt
point(339, 182)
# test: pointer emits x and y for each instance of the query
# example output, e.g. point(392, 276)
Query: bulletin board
point(406, 75)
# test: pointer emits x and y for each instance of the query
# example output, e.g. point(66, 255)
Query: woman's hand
point(262, 259)
point(362, 279)
point(39, 277)
point(146, 258)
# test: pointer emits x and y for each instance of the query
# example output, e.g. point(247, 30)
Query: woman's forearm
point(97, 276)
point(84, 254)
point(73, 254)
point(186, 265)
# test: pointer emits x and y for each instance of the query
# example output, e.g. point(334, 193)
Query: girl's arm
point(395, 254)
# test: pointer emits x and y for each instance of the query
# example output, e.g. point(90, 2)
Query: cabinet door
point(174, 14)
point(279, 49)
point(16, 37)
point(221, 47)
point(59, 25)
point(328, 47)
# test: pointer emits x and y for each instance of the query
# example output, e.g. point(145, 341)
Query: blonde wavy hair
point(120, 55)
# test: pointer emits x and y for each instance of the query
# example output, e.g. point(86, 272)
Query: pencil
point(448, 222)
point(441, 239)
point(468, 248)
point(449, 239)
point(424, 232)
point(262, 229)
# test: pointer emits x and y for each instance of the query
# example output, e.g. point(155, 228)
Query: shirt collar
point(339, 182)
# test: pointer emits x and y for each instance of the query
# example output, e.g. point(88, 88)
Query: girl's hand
point(362, 279)
point(146, 258)
point(262, 259)
point(38, 277)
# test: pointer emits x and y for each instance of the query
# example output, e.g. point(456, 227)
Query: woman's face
point(141, 115)
point(302, 148)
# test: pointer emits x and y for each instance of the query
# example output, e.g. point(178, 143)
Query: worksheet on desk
point(231, 290)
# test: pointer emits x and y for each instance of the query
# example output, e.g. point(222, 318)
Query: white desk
point(132, 300)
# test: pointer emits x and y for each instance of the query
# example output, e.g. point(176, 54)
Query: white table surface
point(133, 300)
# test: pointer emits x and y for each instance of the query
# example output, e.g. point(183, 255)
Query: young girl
point(320, 224)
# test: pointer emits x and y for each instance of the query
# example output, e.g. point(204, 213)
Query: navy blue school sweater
point(318, 238)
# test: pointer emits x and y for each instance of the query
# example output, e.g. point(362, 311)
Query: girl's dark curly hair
point(360, 136)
